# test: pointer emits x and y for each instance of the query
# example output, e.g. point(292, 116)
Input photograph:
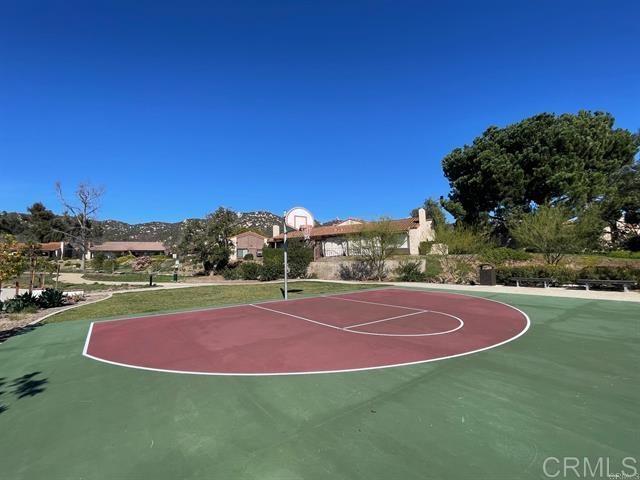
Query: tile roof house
point(53, 249)
point(246, 243)
point(138, 249)
point(337, 240)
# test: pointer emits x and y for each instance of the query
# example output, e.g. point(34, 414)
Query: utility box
point(487, 274)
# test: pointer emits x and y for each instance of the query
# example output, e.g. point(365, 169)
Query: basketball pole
point(286, 266)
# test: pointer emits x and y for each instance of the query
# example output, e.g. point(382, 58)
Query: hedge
point(565, 275)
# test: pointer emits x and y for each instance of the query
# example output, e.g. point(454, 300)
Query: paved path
point(633, 296)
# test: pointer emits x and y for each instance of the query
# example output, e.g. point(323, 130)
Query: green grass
point(126, 277)
point(569, 387)
point(136, 303)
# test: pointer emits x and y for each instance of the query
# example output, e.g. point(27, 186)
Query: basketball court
point(371, 329)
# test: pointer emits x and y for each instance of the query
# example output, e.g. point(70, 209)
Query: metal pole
point(286, 266)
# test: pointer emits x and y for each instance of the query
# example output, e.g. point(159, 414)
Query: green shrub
point(248, 256)
point(359, 270)
point(425, 248)
point(125, 259)
point(51, 298)
point(633, 243)
point(20, 303)
point(561, 275)
point(410, 271)
point(250, 270)
point(97, 262)
point(610, 273)
point(461, 240)
point(624, 254)
point(271, 271)
point(299, 257)
point(500, 255)
point(432, 268)
point(230, 273)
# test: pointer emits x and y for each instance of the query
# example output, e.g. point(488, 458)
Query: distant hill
point(167, 232)
point(170, 233)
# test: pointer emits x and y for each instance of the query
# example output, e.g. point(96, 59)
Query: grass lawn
point(127, 277)
point(136, 303)
point(568, 387)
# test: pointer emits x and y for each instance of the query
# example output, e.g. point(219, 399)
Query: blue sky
point(344, 107)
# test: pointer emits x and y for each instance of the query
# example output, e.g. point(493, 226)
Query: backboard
point(298, 217)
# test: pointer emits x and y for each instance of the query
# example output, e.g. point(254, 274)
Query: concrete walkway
point(633, 296)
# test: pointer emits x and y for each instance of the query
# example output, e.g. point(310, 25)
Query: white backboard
point(298, 217)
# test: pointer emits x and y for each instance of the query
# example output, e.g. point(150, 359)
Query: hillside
point(167, 232)
point(170, 233)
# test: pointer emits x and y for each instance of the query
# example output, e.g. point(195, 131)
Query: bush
point(624, 254)
point(51, 298)
point(271, 271)
point(410, 271)
point(500, 255)
point(19, 303)
point(432, 267)
point(299, 258)
point(248, 256)
point(359, 270)
point(125, 259)
point(250, 270)
point(97, 262)
point(424, 248)
point(461, 240)
point(231, 273)
point(610, 273)
point(141, 263)
point(561, 275)
point(633, 243)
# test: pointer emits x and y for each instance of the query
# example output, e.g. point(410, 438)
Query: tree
point(81, 215)
point(43, 225)
point(434, 211)
point(209, 239)
point(11, 259)
point(570, 160)
point(553, 232)
point(376, 243)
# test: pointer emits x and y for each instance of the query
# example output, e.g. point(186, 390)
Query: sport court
point(335, 333)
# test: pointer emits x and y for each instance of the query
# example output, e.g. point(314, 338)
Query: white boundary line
point(348, 370)
point(377, 303)
point(234, 305)
point(386, 319)
point(461, 324)
point(296, 316)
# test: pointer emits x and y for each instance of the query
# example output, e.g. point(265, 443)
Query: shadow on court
point(28, 385)
point(291, 290)
point(14, 332)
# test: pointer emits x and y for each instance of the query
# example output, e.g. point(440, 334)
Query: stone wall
point(329, 268)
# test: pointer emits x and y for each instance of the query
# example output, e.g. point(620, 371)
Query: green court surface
point(568, 387)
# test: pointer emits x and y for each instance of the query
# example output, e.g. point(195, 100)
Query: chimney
point(276, 230)
point(422, 216)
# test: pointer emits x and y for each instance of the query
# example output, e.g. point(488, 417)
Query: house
point(338, 240)
point(53, 249)
point(138, 249)
point(246, 243)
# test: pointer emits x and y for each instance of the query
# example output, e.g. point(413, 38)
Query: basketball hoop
point(306, 230)
point(297, 218)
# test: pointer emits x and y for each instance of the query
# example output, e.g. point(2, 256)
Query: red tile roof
point(401, 225)
point(129, 247)
point(250, 233)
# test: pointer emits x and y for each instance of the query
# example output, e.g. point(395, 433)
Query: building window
point(258, 253)
point(242, 252)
